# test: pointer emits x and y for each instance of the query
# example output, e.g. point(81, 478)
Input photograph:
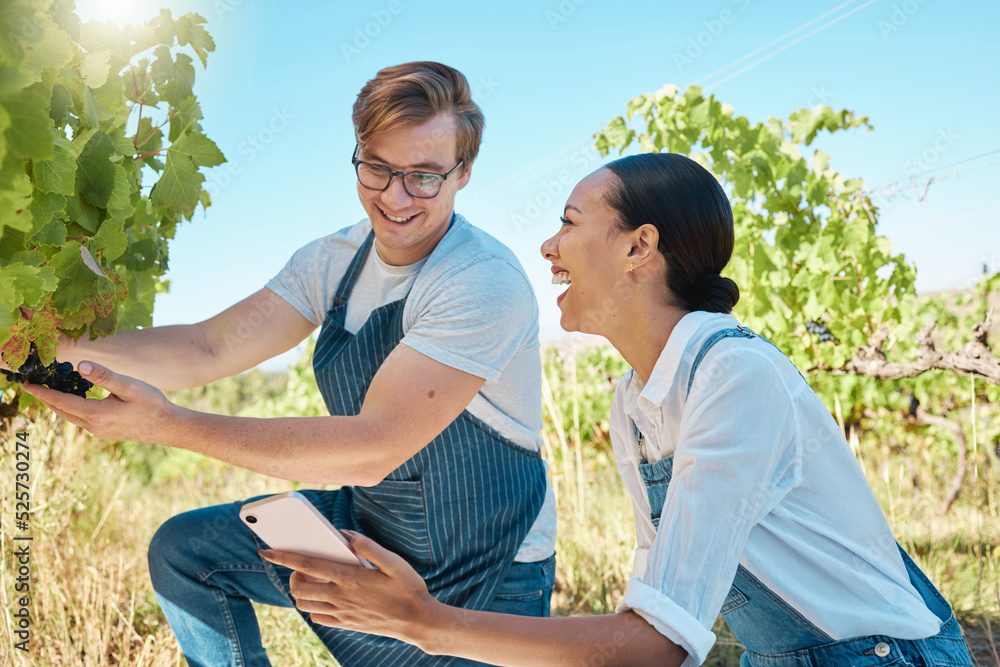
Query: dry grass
point(93, 512)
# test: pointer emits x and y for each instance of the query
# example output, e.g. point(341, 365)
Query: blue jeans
point(205, 571)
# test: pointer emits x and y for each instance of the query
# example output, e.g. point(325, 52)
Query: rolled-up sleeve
point(736, 458)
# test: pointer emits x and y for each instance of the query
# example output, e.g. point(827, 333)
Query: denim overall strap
point(774, 633)
point(457, 511)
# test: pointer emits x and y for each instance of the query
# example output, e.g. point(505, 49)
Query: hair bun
point(718, 295)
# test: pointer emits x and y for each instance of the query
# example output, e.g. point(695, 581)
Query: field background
point(96, 504)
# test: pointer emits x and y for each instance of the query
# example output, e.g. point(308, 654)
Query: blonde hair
point(414, 93)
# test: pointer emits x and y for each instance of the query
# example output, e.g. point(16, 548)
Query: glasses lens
point(373, 176)
point(421, 184)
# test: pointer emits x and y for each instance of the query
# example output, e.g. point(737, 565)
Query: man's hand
point(388, 601)
point(134, 411)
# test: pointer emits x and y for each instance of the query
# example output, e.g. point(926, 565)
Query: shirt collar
point(652, 394)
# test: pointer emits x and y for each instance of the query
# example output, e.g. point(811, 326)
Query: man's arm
point(190, 355)
point(412, 398)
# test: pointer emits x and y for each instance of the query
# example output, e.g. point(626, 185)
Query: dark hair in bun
point(695, 221)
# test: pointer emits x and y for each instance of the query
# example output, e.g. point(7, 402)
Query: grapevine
point(101, 158)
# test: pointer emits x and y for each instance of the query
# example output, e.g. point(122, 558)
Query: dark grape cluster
point(824, 334)
point(58, 376)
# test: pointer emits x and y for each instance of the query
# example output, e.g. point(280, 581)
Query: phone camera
point(251, 518)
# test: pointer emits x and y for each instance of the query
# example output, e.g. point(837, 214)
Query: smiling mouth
point(561, 278)
point(393, 218)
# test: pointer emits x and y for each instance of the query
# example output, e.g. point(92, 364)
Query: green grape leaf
point(77, 282)
point(148, 138)
point(77, 321)
point(13, 297)
point(104, 325)
point(121, 143)
point(199, 148)
point(6, 320)
point(103, 299)
point(43, 329)
point(57, 174)
point(163, 27)
point(30, 132)
point(189, 31)
point(95, 176)
point(112, 108)
point(34, 283)
point(185, 116)
point(52, 233)
point(180, 185)
point(62, 103)
point(89, 117)
point(15, 199)
point(81, 212)
point(15, 350)
point(111, 38)
point(12, 242)
point(95, 68)
point(121, 290)
point(18, 31)
point(174, 78)
point(120, 199)
point(110, 239)
point(4, 124)
point(53, 52)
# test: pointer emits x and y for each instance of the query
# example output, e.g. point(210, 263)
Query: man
point(428, 362)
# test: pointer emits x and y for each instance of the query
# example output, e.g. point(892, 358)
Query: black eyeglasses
point(419, 184)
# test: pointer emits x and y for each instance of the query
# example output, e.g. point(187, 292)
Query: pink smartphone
point(289, 522)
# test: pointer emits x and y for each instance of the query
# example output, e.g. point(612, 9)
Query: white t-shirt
point(470, 306)
point(762, 477)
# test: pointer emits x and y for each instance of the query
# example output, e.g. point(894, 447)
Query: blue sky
point(278, 91)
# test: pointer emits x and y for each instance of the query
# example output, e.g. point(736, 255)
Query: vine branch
point(975, 359)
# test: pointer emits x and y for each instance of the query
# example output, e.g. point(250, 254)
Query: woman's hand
point(391, 601)
point(134, 411)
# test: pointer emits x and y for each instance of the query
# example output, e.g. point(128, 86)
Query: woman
point(747, 499)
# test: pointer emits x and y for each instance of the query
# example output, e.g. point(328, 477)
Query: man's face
point(408, 228)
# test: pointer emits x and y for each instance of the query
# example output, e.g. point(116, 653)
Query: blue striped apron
point(457, 511)
point(773, 632)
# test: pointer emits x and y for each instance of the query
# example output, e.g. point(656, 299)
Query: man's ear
point(645, 243)
point(466, 174)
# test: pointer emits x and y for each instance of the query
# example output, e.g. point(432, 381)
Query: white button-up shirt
point(763, 477)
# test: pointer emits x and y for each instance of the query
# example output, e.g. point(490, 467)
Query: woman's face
point(589, 254)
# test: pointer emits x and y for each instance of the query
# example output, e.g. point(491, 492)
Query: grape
point(58, 375)
point(821, 331)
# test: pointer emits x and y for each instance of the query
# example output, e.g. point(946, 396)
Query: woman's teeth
point(561, 278)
